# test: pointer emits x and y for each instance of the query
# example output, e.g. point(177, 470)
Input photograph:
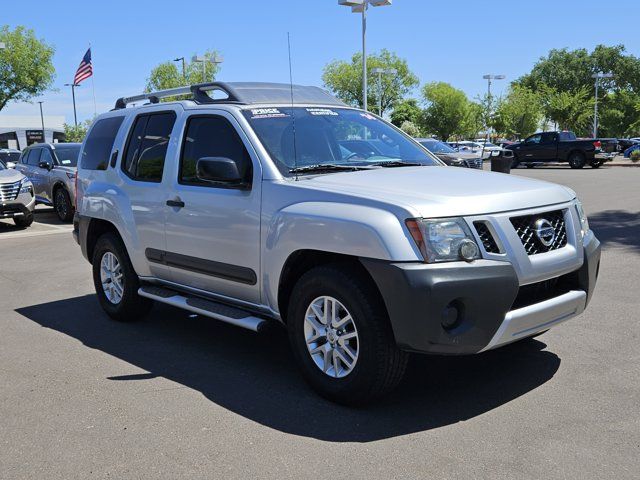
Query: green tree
point(518, 114)
point(74, 133)
point(26, 69)
point(411, 129)
point(406, 110)
point(169, 74)
point(571, 110)
point(618, 113)
point(473, 122)
point(447, 109)
point(344, 79)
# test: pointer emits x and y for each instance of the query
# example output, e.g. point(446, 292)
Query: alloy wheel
point(111, 277)
point(331, 337)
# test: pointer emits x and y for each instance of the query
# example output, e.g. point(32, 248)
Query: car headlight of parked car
point(26, 187)
point(443, 240)
point(584, 222)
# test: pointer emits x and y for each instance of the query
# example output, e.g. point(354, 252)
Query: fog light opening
point(452, 315)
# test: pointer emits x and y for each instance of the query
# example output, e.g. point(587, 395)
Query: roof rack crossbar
point(198, 93)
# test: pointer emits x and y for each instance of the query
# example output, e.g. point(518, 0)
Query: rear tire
point(62, 205)
point(116, 282)
point(377, 364)
point(576, 160)
point(24, 221)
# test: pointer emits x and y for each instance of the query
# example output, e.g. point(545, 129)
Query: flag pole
point(93, 85)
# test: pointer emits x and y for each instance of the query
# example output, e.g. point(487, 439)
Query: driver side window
point(46, 157)
point(534, 139)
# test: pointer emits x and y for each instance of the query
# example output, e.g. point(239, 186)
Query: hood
point(445, 191)
point(10, 175)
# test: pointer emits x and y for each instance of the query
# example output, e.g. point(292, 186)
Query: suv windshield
point(67, 155)
point(331, 136)
point(437, 147)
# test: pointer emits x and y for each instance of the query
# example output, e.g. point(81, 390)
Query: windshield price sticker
point(321, 111)
point(368, 116)
point(267, 113)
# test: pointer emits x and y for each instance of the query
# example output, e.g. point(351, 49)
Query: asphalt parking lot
point(181, 397)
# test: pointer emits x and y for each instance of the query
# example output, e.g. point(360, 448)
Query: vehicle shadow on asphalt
point(254, 375)
point(617, 228)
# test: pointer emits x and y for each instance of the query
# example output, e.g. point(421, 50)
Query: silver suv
point(256, 203)
point(51, 167)
point(17, 199)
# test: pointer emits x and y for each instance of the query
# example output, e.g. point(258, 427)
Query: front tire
point(341, 336)
point(24, 221)
point(62, 205)
point(116, 282)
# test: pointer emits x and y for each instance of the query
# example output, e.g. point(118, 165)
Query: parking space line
point(34, 234)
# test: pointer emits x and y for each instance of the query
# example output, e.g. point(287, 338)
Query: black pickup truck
point(557, 147)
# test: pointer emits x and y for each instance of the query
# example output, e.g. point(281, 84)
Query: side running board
point(207, 308)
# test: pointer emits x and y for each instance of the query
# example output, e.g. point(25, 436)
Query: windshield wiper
point(396, 163)
point(325, 167)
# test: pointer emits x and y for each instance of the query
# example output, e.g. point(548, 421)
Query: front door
point(213, 229)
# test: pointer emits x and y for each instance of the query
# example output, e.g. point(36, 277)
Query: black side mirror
point(45, 165)
point(219, 170)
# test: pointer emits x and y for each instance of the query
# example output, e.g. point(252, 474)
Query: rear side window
point(99, 143)
point(34, 156)
point(212, 136)
point(147, 146)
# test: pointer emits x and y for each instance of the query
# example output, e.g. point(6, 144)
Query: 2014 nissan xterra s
point(247, 204)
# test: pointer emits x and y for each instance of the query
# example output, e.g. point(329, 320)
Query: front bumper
point(419, 298)
point(22, 206)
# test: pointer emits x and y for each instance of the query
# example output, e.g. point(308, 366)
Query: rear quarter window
point(99, 143)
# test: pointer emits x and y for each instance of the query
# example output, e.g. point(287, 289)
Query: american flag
point(85, 70)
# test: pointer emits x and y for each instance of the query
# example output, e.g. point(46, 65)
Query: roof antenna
point(293, 116)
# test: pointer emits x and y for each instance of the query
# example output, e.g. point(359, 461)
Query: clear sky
point(455, 41)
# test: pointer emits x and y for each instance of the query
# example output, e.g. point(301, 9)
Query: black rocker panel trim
point(235, 273)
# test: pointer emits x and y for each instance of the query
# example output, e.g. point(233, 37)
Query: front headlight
point(443, 240)
point(584, 222)
point(26, 187)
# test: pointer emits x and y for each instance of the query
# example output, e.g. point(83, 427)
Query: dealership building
point(20, 131)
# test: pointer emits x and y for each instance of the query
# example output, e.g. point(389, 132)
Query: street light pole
point(215, 59)
point(380, 71)
point(597, 77)
point(44, 139)
point(361, 6)
point(488, 78)
point(184, 70)
point(73, 95)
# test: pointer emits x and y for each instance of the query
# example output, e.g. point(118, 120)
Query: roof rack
point(244, 93)
point(198, 93)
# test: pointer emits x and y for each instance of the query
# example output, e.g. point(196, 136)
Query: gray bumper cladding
point(420, 300)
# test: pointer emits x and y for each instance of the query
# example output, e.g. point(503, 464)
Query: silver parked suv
point(17, 199)
point(51, 167)
point(246, 204)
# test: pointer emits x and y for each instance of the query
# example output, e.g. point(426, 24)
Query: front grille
point(9, 191)
point(526, 230)
point(473, 162)
point(488, 242)
point(541, 291)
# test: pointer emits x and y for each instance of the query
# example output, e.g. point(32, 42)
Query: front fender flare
point(331, 227)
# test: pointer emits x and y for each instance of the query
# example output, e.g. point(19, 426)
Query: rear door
point(548, 151)
point(143, 165)
point(213, 230)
